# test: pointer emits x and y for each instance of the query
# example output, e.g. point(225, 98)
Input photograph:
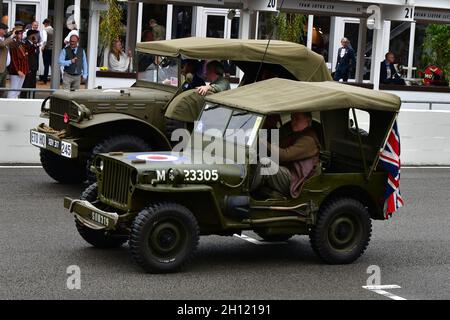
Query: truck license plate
point(38, 139)
point(66, 149)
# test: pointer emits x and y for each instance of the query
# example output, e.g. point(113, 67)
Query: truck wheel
point(62, 169)
point(272, 237)
point(342, 231)
point(97, 238)
point(164, 237)
point(123, 142)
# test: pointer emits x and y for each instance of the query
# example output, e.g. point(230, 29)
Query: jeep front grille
point(115, 183)
point(57, 109)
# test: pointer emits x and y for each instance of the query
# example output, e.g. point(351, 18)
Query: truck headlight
point(45, 106)
point(99, 164)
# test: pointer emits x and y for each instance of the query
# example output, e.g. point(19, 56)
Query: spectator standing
point(18, 68)
point(159, 32)
point(118, 60)
point(31, 47)
point(388, 73)
point(4, 54)
point(47, 49)
point(73, 59)
point(345, 61)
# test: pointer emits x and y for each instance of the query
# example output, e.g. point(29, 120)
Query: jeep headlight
point(99, 164)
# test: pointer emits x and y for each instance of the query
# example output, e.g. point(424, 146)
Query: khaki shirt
point(159, 32)
point(220, 84)
point(296, 146)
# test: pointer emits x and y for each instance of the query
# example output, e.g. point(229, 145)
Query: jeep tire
point(97, 238)
point(164, 237)
point(62, 169)
point(342, 231)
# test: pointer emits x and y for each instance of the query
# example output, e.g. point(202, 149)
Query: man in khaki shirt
point(298, 155)
point(3, 55)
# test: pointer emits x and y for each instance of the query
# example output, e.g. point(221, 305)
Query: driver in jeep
point(298, 154)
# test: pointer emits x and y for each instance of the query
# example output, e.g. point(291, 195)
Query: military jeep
point(161, 202)
point(83, 123)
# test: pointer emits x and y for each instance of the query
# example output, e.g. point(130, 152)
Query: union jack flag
point(390, 161)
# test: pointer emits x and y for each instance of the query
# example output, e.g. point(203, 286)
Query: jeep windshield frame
point(220, 121)
point(159, 70)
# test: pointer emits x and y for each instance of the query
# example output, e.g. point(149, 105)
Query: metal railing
point(31, 92)
point(429, 103)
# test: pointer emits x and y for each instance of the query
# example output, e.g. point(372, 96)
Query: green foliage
point(289, 26)
point(436, 47)
point(111, 26)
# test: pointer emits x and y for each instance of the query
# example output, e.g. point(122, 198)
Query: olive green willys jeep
point(161, 202)
point(83, 123)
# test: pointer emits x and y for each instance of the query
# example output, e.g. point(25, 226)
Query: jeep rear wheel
point(62, 169)
point(164, 237)
point(123, 142)
point(97, 238)
point(342, 231)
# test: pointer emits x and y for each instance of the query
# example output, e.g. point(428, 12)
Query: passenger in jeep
point(214, 74)
point(298, 154)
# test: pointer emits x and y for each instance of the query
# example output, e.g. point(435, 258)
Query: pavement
point(39, 242)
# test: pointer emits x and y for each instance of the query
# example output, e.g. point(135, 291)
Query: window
point(5, 17)
point(156, 12)
point(321, 36)
point(181, 22)
point(26, 13)
point(220, 121)
point(213, 117)
point(363, 119)
point(157, 69)
point(242, 122)
point(215, 26)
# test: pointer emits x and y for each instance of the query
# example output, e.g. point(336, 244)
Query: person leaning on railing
point(118, 60)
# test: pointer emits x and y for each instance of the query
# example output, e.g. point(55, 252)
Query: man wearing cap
point(31, 47)
point(18, 68)
point(73, 59)
point(4, 54)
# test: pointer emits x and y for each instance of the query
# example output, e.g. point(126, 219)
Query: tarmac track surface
point(39, 241)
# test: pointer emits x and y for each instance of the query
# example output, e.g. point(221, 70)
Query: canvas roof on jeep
point(287, 96)
point(303, 63)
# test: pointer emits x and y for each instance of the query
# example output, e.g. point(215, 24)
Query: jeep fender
point(114, 121)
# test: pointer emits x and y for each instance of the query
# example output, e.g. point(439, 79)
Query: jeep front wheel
point(164, 237)
point(97, 238)
point(122, 142)
point(342, 231)
point(62, 169)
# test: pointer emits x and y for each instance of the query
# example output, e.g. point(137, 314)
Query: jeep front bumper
point(62, 147)
point(90, 216)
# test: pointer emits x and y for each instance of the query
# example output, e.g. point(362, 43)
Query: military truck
point(161, 202)
point(83, 123)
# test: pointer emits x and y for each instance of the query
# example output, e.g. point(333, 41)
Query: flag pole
point(377, 159)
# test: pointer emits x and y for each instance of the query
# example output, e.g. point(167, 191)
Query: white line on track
point(255, 241)
point(20, 167)
point(379, 289)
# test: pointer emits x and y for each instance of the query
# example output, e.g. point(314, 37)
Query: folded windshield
point(157, 69)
